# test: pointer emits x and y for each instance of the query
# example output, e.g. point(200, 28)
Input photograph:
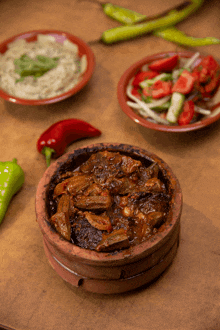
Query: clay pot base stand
point(120, 285)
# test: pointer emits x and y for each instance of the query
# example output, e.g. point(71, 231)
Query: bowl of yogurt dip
point(44, 66)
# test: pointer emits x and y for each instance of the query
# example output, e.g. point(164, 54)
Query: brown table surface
point(32, 295)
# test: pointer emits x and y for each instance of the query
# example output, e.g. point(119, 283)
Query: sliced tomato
point(185, 83)
point(208, 90)
point(161, 88)
point(187, 114)
point(143, 75)
point(207, 69)
point(147, 91)
point(196, 75)
point(164, 65)
point(210, 63)
point(204, 75)
point(135, 92)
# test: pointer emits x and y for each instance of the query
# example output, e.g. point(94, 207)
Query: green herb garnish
point(26, 66)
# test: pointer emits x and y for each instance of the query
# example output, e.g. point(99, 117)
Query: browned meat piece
point(87, 167)
point(83, 234)
point(101, 222)
point(62, 224)
point(64, 204)
point(93, 190)
point(154, 202)
point(121, 186)
point(78, 183)
point(146, 230)
point(155, 185)
point(73, 185)
point(148, 173)
point(60, 188)
point(122, 200)
point(60, 220)
point(93, 202)
point(129, 165)
point(102, 165)
point(128, 211)
point(155, 219)
point(118, 239)
point(66, 175)
point(152, 170)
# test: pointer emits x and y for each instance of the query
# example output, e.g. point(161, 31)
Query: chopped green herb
point(26, 66)
point(146, 99)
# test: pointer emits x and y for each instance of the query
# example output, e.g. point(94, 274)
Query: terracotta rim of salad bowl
point(122, 97)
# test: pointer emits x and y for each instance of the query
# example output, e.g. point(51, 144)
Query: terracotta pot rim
point(129, 255)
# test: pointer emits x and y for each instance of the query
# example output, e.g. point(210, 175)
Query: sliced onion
point(146, 109)
point(202, 111)
point(192, 60)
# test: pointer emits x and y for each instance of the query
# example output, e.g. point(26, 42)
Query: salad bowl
point(81, 49)
point(212, 115)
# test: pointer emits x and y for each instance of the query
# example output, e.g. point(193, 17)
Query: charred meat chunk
point(73, 185)
point(60, 220)
point(118, 239)
point(93, 202)
point(110, 202)
point(101, 222)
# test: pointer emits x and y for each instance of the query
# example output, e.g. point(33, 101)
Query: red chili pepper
point(187, 114)
point(165, 64)
point(56, 138)
point(140, 76)
point(161, 88)
point(185, 83)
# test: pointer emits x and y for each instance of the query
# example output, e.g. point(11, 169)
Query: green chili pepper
point(131, 31)
point(174, 35)
point(11, 180)
point(122, 15)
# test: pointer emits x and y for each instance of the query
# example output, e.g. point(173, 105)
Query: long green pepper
point(122, 15)
point(11, 180)
point(131, 31)
point(178, 37)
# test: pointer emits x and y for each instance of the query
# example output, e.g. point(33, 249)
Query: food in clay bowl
point(44, 66)
point(110, 217)
point(172, 92)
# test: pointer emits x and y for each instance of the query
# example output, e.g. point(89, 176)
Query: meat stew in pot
point(109, 202)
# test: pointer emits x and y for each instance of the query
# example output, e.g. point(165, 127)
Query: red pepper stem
point(47, 152)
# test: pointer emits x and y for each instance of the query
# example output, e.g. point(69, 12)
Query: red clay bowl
point(122, 98)
point(103, 272)
point(60, 36)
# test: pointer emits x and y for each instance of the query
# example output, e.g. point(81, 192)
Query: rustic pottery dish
point(123, 98)
point(106, 272)
point(60, 37)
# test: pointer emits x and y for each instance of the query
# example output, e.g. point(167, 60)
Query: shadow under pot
point(110, 217)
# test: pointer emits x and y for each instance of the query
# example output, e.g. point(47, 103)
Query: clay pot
point(110, 272)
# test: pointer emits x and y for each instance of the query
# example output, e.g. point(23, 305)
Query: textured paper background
point(32, 296)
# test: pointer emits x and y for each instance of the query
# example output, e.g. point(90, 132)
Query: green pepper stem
point(47, 152)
